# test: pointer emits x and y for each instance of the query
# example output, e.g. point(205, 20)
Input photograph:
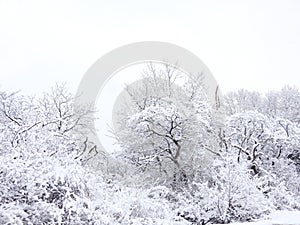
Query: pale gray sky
point(245, 43)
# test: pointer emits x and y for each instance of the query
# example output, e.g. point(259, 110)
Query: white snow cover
point(277, 218)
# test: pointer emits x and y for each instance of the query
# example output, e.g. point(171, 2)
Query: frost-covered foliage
point(48, 176)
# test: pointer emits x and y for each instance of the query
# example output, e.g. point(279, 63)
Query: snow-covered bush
point(40, 188)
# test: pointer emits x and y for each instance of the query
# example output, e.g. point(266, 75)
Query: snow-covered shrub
point(41, 189)
point(230, 194)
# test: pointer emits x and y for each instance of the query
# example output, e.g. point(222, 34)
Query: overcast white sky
point(245, 44)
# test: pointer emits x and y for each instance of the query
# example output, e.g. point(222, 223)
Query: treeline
point(175, 165)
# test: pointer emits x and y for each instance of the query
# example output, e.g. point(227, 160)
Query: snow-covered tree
point(49, 119)
point(284, 103)
point(166, 123)
point(242, 100)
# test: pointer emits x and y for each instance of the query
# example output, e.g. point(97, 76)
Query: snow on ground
point(277, 218)
point(286, 217)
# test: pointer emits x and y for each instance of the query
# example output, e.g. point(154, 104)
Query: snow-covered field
point(277, 218)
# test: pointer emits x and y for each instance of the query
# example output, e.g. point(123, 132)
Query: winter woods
point(174, 166)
